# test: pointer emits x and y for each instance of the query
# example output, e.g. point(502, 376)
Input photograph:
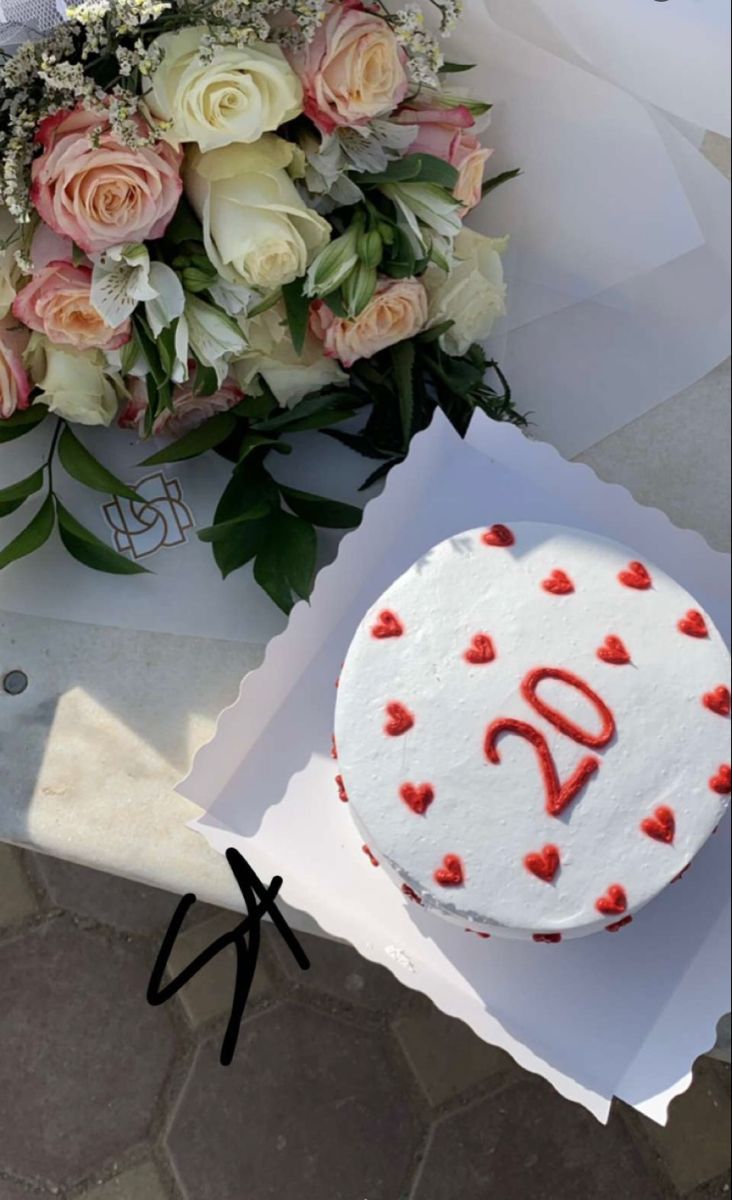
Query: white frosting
point(667, 747)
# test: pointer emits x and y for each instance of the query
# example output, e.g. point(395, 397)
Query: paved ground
point(345, 1086)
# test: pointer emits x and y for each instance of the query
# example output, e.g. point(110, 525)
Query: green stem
point(51, 454)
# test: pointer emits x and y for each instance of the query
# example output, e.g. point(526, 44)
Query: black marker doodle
point(245, 937)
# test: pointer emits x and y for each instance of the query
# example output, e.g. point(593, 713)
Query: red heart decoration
point(451, 873)
point(618, 925)
point(613, 650)
point(721, 783)
point(418, 797)
point(498, 535)
point(614, 902)
point(401, 720)
point(661, 826)
point(693, 624)
point(719, 701)
point(544, 864)
point(481, 650)
point(342, 793)
point(552, 938)
point(371, 857)
point(558, 583)
point(636, 576)
point(387, 626)
point(411, 894)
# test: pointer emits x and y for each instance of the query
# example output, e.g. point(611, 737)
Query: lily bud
point(370, 248)
point(333, 265)
point(359, 288)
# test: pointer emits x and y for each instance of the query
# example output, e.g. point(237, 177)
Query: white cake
point(532, 731)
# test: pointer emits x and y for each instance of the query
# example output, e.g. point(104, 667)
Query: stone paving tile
point(84, 1058)
point(445, 1055)
point(311, 1109)
point(718, 1189)
point(209, 994)
point(340, 971)
point(16, 1191)
point(17, 898)
point(128, 906)
point(694, 1146)
point(140, 1183)
point(526, 1143)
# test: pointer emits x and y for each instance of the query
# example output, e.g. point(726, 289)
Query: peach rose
point(352, 70)
point(188, 412)
point(57, 302)
point(442, 132)
point(397, 311)
point(99, 192)
point(15, 386)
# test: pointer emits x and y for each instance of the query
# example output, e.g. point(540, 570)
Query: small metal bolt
point(15, 683)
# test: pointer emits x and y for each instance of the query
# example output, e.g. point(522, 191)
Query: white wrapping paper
point(607, 1015)
point(618, 272)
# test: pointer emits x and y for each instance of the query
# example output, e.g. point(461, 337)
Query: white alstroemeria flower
point(120, 280)
point(168, 300)
point(213, 336)
point(235, 298)
point(428, 203)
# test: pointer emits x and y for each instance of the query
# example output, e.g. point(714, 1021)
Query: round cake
point(532, 731)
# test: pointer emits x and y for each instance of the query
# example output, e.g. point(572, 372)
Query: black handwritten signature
point(245, 937)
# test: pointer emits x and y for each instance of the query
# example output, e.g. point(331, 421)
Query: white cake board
point(607, 1015)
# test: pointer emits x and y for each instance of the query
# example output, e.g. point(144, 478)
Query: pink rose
point(15, 386)
point(353, 70)
point(397, 311)
point(188, 412)
point(57, 302)
point(105, 194)
point(442, 132)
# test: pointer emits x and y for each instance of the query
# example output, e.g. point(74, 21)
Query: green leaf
point(297, 308)
point(166, 347)
point(398, 171)
point(490, 185)
point(150, 350)
point(22, 422)
point(249, 484)
point(206, 381)
point(224, 529)
point(17, 493)
point(285, 564)
point(402, 356)
point(198, 441)
point(436, 170)
point(355, 441)
point(434, 334)
point(332, 514)
point(35, 535)
point(88, 549)
point(380, 473)
point(185, 226)
point(253, 441)
point(313, 403)
point(81, 465)
point(264, 305)
point(453, 68)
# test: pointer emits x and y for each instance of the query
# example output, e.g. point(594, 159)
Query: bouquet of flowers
point(224, 224)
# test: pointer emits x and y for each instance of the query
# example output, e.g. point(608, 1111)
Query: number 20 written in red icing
point(558, 795)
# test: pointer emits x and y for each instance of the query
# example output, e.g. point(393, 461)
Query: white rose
point(236, 95)
point(472, 294)
point(9, 273)
point(272, 355)
point(73, 385)
point(256, 228)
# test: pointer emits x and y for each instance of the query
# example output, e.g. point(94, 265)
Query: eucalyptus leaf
point(81, 465)
point(285, 564)
point(198, 441)
point(88, 549)
point(22, 422)
point(35, 535)
point(332, 514)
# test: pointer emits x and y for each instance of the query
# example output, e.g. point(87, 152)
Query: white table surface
point(90, 754)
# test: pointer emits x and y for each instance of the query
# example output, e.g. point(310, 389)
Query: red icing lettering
point(418, 797)
point(544, 864)
point(371, 857)
point(481, 650)
point(411, 894)
point(661, 826)
point(693, 625)
point(558, 583)
point(400, 719)
point(333, 748)
point(614, 902)
point(451, 873)
point(718, 701)
point(551, 938)
point(342, 793)
point(618, 925)
point(559, 720)
point(636, 576)
point(387, 626)
point(498, 535)
point(613, 651)
point(558, 795)
point(477, 933)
